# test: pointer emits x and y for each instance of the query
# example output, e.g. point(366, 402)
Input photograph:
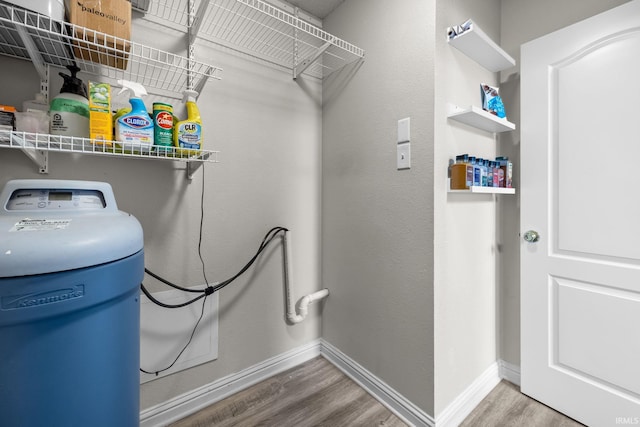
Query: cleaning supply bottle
point(37, 104)
point(69, 111)
point(187, 134)
point(134, 130)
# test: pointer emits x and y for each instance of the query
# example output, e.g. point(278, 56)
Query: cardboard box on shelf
point(108, 24)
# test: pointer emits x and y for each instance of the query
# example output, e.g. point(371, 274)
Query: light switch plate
point(404, 156)
point(404, 130)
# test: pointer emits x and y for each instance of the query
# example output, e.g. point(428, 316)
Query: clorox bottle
point(134, 130)
point(187, 134)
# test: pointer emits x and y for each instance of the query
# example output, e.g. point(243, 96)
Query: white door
point(580, 151)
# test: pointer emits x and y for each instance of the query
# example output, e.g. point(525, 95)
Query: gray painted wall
point(401, 303)
point(268, 129)
point(465, 229)
point(523, 21)
point(377, 222)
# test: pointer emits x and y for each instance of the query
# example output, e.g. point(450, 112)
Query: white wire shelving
point(37, 146)
point(261, 30)
point(44, 41)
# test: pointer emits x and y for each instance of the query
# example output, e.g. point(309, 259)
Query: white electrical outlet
point(404, 130)
point(404, 156)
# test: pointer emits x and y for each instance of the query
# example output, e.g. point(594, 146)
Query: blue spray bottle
point(134, 130)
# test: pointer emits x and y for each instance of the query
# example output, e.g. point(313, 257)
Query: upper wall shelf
point(29, 35)
point(478, 118)
point(36, 146)
point(474, 43)
point(263, 31)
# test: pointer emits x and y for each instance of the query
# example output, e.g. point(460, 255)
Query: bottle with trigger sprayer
point(187, 134)
point(134, 130)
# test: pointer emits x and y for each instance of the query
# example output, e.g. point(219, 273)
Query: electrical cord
point(268, 238)
point(208, 290)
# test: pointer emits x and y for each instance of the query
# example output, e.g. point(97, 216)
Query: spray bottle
point(134, 130)
point(187, 134)
point(69, 111)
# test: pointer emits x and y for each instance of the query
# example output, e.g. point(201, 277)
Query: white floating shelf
point(478, 46)
point(478, 118)
point(486, 190)
point(481, 190)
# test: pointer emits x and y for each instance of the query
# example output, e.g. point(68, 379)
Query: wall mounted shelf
point(46, 42)
point(485, 190)
point(263, 31)
point(478, 118)
point(475, 43)
point(37, 146)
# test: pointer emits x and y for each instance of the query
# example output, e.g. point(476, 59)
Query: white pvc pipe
point(303, 305)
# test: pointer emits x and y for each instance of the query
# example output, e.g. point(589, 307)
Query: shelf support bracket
point(195, 164)
point(39, 157)
point(196, 24)
point(306, 63)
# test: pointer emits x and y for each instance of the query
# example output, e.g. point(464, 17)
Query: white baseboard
point(390, 398)
point(509, 372)
point(462, 406)
point(188, 403)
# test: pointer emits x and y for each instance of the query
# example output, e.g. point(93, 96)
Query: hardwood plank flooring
point(316, 393)
point(506, 406)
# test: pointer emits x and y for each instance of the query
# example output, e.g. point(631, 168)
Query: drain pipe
point(303, 305)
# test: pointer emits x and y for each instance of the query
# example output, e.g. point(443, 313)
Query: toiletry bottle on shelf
point(507, 167)
point(477, 178)
point(461, 173)
point(483, 172)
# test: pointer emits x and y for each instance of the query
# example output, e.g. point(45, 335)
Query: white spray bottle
point(134, 130)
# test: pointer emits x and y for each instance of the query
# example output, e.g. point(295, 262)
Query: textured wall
point(465, 229)
point(268, 129)
point(377, 222)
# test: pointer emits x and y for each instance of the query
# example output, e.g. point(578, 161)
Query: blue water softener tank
point(70, 269)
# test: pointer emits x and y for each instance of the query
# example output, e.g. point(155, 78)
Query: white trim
point(462, 406)
point(509, 372)
point(387, 396)
point(188, 403)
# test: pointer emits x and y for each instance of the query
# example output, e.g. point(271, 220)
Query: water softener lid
point(49, 226)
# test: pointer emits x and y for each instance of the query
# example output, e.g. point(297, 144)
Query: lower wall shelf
point(485, 190)
point(478, 118)
point(37, 145)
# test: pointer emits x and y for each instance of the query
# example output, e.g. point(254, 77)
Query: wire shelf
point(110, 57)
point(35, 145)
point(261, 30)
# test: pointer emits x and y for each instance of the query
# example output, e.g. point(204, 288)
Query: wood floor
point(316, 393)
point(505, 406)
